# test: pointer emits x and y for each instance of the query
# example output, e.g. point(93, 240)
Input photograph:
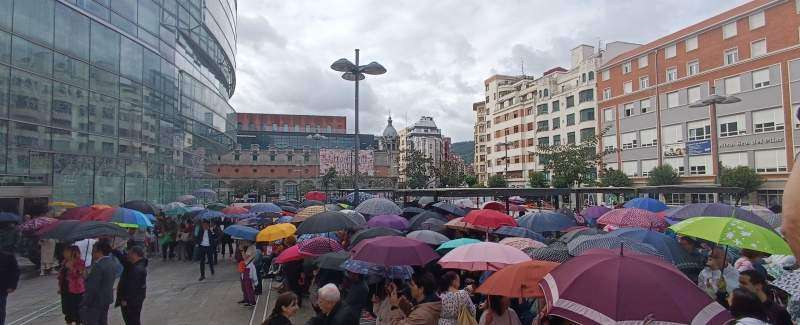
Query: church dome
point(389, 131)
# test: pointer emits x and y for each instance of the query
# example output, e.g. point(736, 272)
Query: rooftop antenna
point(522, 66)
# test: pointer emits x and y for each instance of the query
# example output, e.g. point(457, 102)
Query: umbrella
point(141, 206)
point(486, 218)
point(75, 213)
point(450, 209)
point(361, 195)
point(555, 252)
point(494, 205)
point(241, 232)
point(459, 224)
point(583, 231)
point(73, 230)
point(326, 222)
point(316, 196)
point(402, 272)
point(417, 220)
point(393, 251)
point(465, 204)
point(715, 210)
point(318, 246)
point(483, 256)
point(174, 205)
point(428, 237)
point(357, 218)
point(254, 221)
point(521, 243)
point(9, 217)
point(210, 214)
point(432, 224)
point(329, 235)
point(62, 204)
point(594, 212)
point(545, 221)
point(425, 201)
point(633, 217)
point(509, 231)
point(333, 207)
point(388, 221)
point(378, 206)
point(131, 217)
point(332, 260)
point(789, 282)
point(517, 208)
point(733, 232)
point(235, 210)
point(518, 280)
point(205, 194)
point(773, 219)
point(265, 207)
point(187, 199)
point(176, 211)
point(646, 203)
point(585, 243)
point(607, 286)
point(311, 203)
point(306, 213)
point(409, 212)
point(666, 245)
point(36, 224)
point(276, 232)
point(516, 199)
point(372, 233)
point(455, 243)
point(290, 254)
point(216, 206)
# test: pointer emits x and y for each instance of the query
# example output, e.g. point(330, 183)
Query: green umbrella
point(216, 206)
point(452, 244)
point(733, 232)
point(177, 211)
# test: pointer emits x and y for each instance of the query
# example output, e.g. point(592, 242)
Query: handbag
point(465, 317)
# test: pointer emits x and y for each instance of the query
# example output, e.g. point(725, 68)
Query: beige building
point(423, 136)
point(482, 138)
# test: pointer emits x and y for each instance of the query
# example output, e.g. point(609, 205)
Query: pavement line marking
point(34, 312)
point(33, 316)
point(266, 305)
point(255, 308)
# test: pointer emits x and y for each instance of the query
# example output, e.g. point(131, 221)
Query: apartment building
point(523, 112)
point(423, 136)
point(482, 138)
point(750, 52)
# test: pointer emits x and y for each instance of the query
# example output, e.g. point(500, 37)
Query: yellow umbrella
point(308, 212)
point(62, 204)
point(276, 232)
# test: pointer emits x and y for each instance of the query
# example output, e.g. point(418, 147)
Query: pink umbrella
point(393, 251)
point(633, 217)
point(290, 254)
point(494, 205)
point(485, 256)
point(36, 224)
point(318, 246)
point(521, 243)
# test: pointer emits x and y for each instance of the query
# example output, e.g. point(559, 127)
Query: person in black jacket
point(9, 279)
point(132, 286)
point(99, 292)
point(206, 240)
point(332, 310)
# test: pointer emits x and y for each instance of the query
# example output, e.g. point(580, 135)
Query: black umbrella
point(141, 206)
point(333, 207)
point(73, 230)
point(332, 261)
point(327, 221)
point(409, 212)
point(425, 201)
point(417, 220)
point(283, 203)
point(308, 203)
point(294, 202)
point(450, 209)
point(572, 235)
point(556, 252)
point(372, 233)
point(290, 209)
point(433, 224)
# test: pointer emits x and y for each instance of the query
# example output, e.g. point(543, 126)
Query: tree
point(570, 163)
point(305, 187)
point(329, 178)
point(743, 177)
point(418, 169)
point(241, 187)
point(471, 180)
point(496, 181)
point(615, 178)
point(663, 175)
point(537, 179)
point(450, 172)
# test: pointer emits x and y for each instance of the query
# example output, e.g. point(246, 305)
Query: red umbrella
point(318, 246)
point(98, 213)
point(75, 213)
point(605, 286)
point(234, 210)
point(518, 280)
point(393, 251)
point(291, 254)
point(316, 196)
point(494, 205)
point(36, 224)
point(633, 217)
point(489, 219)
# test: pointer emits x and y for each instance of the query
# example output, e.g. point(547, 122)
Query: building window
point(699, 165)
point(758, 48)
point(768, 120)
point(644, 82)
point(630, 168)
point(541, 109)
point(648, 138)
point(693, 68)
point(672, 100)
point(672, 134)
point(628, 140)
point(672, 74)
point(255, 157)
point(570, 119)
point(731, 125)
point(556, 106)
point(609, 143)
point(644, 105)
point(648, 165)
point(586, 95)
point(591, 75)
point(628, 108)
point(731, 56)
point(571, 138)
point(607, 93)
point(757, 20)
point(556, 123)
point(691, 43)
point(760, 78)
point(608, 114)
point(544, 141)
point(236, 156)
point(286, 128)
point(695, 94)
point(626, 67)
point(275, 127)
point(729, 30)
point(605, 75)
point(296, 128)
point(699, 130)
point(642, 61)
point(627, 87)
point(546, 92)
point(587, 134)
point(670, 51)
point(272, 157)
point(734, 159)
point(770, 161)
point(570, 101)
point(677, 163)
point(556, 140)
point(308, 127)
point(587, 115)
point(732, 85)
point(542, 125)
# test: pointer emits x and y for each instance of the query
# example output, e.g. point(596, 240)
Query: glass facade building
point(106, 101)
point(303, 140)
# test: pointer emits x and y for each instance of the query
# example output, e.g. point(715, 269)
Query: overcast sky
point(437, 53)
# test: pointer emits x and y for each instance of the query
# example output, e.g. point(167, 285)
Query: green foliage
point(305, 187)
point(450, 173)
point(743, 177)
point(418, 170)
point(465, 150)
point(496, 181)
point(329, 178)
point(663, 175)
point(615, 178)
point(537, 179)
point(471, 180)
point(571, 164)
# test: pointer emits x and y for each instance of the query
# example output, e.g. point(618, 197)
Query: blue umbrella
point(646, 203)
point(9, 217)
point(284, 219)
point(265, 207)
point(130, 216)
point(210, 214)
point(254, 221)
point(241, 232)
point(509, 231)
point(402, 272)
point(545, 221)
point(666, 245)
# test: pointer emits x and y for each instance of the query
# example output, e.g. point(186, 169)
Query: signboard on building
point(342, 161)
point(674, 150)
point(696, 148)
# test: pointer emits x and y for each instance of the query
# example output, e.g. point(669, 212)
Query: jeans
point(206, 254)
point(131, 314)
point(3, 298)
point(94, 315)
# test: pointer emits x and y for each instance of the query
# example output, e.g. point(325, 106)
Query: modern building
point(482, 138)
point(291, 123)
point(750, 52)
point(423, 136)
point(521, 112)
point(111, 101)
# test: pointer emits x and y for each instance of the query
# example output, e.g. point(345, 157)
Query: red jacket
point(74, 277)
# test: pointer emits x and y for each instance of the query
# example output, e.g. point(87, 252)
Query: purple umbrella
point(592, 213)
point(393, 251)
point(715, 210)
point(388, 221)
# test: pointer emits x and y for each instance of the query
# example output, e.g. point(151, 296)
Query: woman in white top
point(453, 299)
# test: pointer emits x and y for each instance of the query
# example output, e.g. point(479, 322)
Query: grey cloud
point(255, 31)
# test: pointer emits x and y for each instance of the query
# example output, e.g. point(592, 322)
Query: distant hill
point(464, 149)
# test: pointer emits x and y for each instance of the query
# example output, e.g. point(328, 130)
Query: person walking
point(48, 255)
point(71, 284)
point(132, 286)
point(99, 292)
point(9, 279)
point(453, 299)
point(206, 242)
point(285, 308)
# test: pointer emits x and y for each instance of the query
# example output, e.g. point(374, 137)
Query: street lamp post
point(317, 137)
point(712, 102)
point(354, 72)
